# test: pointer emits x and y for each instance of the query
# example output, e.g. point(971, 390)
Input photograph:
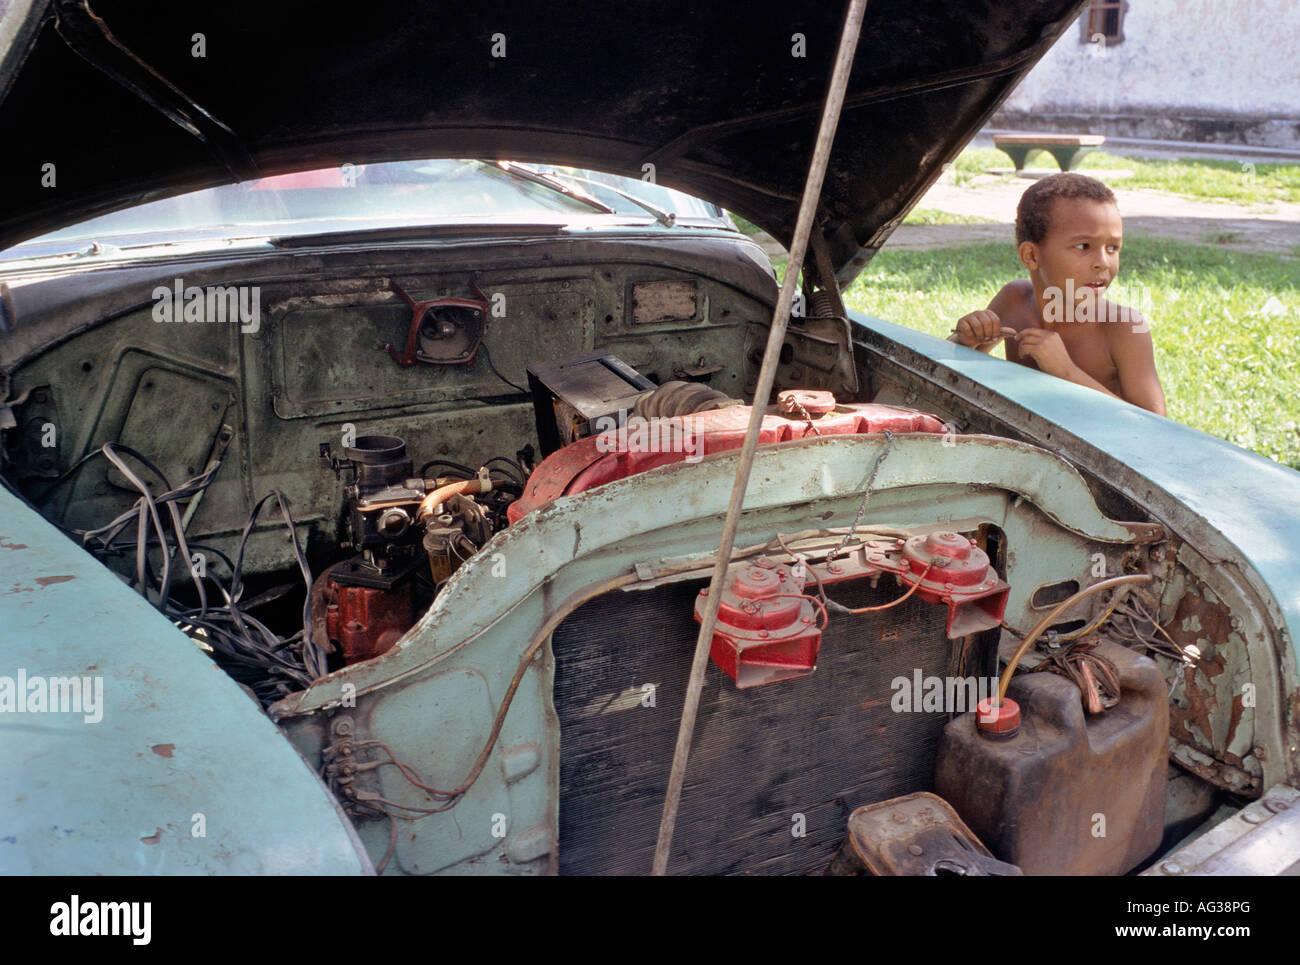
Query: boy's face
point(1081, 246)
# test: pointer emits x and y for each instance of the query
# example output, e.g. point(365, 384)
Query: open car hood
point(112, 103)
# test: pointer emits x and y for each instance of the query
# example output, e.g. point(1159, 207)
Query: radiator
point(774, 771)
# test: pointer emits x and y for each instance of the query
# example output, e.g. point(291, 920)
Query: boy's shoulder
point(1123, 320)
point(1016, 305)
point(1021, 288)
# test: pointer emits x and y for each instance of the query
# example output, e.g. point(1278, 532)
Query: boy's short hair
point(1033, 214)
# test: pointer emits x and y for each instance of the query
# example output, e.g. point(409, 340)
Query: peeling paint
point(1210, 713)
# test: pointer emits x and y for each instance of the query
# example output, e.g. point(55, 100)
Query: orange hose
point(443, 493)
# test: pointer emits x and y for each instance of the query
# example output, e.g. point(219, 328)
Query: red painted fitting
point(1000, 721)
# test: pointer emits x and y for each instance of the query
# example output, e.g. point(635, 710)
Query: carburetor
point(383, 500)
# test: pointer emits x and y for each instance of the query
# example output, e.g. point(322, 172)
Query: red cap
point(1000, 721)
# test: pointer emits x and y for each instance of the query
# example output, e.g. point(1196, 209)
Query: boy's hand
point(980, 330)
point(1047, 350)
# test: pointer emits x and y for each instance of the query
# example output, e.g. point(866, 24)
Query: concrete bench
point(1067, 149)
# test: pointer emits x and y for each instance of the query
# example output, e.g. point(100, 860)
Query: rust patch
point(49, 580)
point(153, 838)
point(1200, 704)
point(663, 301)
point(1204, 625)
point(163, 750)
point(1213, 619)
point(6, 545)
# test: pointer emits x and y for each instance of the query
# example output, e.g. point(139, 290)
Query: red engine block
point(644, 445)
point(366, 621)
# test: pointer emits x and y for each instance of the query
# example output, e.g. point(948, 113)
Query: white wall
point(1178, 57)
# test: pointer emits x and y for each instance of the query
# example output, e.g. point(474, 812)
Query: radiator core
point(774, 772)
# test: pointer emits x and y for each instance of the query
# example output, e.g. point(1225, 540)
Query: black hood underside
point(114, 96)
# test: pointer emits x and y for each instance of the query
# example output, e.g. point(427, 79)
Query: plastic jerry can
point(1068, 793)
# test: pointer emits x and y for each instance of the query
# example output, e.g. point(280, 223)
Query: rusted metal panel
point(1212, 704)
point(664, 301)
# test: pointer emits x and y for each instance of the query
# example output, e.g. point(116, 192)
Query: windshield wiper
point(522, 173)
point(665, 218)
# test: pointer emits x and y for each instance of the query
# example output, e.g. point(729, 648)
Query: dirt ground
point(1270, 229)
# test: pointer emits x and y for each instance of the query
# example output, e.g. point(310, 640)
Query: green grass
point(746, 227)
point(1229, 358)
point(1253, 182)
point(929, 216)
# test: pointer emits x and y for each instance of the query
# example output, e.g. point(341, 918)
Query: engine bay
point(403, 516)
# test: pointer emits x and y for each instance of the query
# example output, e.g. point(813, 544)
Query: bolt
point(915, 849)
point(1172, 868)
point(833, 568)
point(1235, 623)
point(947, 586)
point(763, 634)
point(704, 592)
point(1276, 806)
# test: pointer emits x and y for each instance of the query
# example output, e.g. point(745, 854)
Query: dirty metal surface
point(1263, 838)
point(916, 834)
point(178, 748)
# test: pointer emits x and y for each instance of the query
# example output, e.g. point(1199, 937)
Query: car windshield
point(393, 194)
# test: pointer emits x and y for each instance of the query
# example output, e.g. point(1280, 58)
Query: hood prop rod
point(762, 393)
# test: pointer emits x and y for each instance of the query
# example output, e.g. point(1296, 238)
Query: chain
point(889, 442)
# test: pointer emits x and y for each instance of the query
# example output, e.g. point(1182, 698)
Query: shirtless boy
point(1069, 233)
